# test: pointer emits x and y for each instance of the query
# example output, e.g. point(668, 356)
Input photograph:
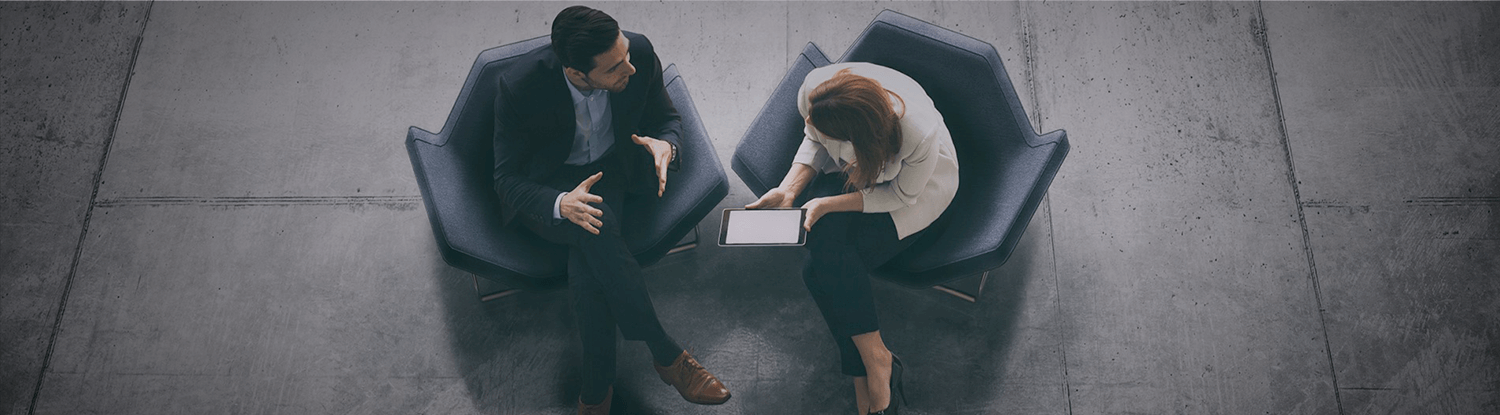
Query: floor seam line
point(1291, 174)
point(1062, 347)
point(1030, 73)
point(242, 201)
point(88, 215)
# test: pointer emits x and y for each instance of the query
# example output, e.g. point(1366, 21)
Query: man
point(578, 124)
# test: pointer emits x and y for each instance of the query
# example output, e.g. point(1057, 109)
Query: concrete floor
point(1268, 208)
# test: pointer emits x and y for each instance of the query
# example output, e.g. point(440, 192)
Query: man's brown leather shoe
point(692, 381)
point(601, 409)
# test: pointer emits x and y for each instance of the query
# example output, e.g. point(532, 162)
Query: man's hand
point(575, 205)
point(661, 151)
point(779, 197)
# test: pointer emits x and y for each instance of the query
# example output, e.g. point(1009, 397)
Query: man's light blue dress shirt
point(593, 132)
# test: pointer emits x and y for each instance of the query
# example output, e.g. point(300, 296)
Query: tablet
point(762, 227)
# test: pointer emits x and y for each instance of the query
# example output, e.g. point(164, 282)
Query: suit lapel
point(622, 112)
point(625, 116)
point(556, 100)
point(553, 111)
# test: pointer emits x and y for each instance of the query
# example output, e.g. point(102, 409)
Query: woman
point(878, 164)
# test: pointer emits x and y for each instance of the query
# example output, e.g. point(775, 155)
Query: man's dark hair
point(580, 33)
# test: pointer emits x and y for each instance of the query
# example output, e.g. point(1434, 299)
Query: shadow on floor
point(515, 354)
point(745, 314)
point(957, 352)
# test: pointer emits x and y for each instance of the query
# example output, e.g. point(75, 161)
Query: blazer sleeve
point(902, 191)
point(517, 192)
point(813, 155)
point(659, 118)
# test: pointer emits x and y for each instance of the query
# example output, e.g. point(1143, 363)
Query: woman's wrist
point(797, 178)
point(847, 202)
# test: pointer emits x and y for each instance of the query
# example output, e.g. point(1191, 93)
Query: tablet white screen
point(763, 226)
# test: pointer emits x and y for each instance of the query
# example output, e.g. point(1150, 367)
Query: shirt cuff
point(557, 207)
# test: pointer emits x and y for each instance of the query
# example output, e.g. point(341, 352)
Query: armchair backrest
point(470, 125)
point(964, 76)
point(1004, 166)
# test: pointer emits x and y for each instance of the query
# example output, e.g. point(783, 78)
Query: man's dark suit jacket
point(535, 121)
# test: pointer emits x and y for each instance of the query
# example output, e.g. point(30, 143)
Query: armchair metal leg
point(490, 290)
point(962, 286)
point(687, 243)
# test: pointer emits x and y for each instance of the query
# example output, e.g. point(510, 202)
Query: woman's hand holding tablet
point(763, 227)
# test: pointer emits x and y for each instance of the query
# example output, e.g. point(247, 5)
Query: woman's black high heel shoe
point(897, 389)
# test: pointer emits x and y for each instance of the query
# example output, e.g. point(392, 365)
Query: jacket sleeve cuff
point(881, 198)
point(812, 154)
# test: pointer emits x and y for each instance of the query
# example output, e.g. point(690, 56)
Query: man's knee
point(610, 221)
point(609, 227)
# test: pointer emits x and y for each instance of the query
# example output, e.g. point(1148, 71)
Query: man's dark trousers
point(607, 284)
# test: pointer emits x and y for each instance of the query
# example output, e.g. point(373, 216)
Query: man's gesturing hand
point(661, 151)
point(575, 205)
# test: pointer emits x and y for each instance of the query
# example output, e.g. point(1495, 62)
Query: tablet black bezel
point(724, 228)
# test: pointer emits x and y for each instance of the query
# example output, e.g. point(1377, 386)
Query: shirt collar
point(580, 96)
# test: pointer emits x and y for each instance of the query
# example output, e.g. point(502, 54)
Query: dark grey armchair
point(453, 170)
point(1004, 166)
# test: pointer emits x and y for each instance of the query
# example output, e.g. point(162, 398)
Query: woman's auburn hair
point(853, 108)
